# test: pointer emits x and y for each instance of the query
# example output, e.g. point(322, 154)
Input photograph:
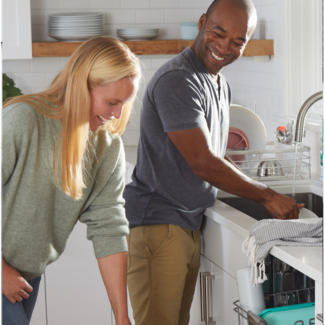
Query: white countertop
point(308, 260)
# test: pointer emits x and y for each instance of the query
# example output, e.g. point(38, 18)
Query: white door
point(224, 293)
point(16, 30)
point(197, 304)
point(75, 290)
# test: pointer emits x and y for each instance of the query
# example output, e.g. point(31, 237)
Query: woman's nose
point(117, 112)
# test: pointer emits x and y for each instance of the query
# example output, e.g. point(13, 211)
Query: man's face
point(223, 36)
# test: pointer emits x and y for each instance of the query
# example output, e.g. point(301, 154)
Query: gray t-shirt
point(164, 190)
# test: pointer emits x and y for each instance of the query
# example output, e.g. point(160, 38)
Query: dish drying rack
point(249, 160)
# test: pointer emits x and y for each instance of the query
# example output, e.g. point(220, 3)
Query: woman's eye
point(111, 104)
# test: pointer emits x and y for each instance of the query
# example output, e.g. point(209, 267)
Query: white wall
point(256, 85)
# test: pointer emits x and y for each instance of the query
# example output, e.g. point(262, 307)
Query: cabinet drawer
point(222, 247)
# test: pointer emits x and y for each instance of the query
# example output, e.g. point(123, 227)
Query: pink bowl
point(237, 140)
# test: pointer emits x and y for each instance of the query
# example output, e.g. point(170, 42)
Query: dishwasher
point(289, 298)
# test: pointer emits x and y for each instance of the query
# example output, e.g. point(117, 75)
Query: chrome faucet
point(302, 114)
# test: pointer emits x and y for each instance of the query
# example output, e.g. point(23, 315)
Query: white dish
point(307, 214)
point(137, 37)
point(73, 15)
point(138, 29)
point(76, 29)
point(73, 38)
point(138, 33)
point(250, 123)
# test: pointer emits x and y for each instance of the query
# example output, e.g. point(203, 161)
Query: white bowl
point(246, 120)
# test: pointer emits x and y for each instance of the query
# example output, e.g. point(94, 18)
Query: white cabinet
point(220, 293)
point(16, 30)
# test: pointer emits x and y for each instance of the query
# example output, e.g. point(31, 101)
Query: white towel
point(272, 232)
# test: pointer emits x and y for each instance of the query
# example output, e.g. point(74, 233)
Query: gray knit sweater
point(37, 216)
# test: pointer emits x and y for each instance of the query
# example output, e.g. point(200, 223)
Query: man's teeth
point(103, 119)
point(217, 57)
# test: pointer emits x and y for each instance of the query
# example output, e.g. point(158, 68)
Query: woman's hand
point(14, 286)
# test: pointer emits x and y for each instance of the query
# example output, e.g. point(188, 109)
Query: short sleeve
point(179, 101)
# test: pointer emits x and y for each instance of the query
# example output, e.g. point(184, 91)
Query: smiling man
point(181, 165)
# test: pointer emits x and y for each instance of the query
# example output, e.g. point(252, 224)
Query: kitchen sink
point(313, 202)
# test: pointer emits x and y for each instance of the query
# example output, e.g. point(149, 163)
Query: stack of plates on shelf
point(137, 34)
point(75, 26)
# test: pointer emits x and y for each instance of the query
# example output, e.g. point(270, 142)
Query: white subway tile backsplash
point(74, 4)
point(120, 16)
point(195, 4)
point(179, 15)
point(198, 13)
point(165, 4)
point(26, 90)
point(135, 4)
point(267, 13)
point(12, 66)
point(45, 4)
point(104, 4)
point(64, 61)
point(167, 31)
point(110, 30)
point(39, 34)
point(38, 89)
point(46, 64)
point(148, 74)
point(145, 63)
point(157, 63)
point(37, 17)
point(50, 76)
point(31, 79)
point(150, 16)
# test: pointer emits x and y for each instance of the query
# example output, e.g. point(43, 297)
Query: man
point(180, 166)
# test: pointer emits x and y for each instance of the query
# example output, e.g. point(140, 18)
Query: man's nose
point(223, 46)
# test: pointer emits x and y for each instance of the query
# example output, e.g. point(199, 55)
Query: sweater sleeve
point(105, 218)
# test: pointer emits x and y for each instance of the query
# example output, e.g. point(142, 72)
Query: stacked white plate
point(75, 26)
point(137, 34)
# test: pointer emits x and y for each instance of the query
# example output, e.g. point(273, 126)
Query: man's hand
point(195, 147)
point(14, 286)
point(280, 206)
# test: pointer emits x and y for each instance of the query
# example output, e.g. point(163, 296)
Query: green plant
point(8, 88)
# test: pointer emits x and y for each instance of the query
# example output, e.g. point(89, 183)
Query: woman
point(63, 161)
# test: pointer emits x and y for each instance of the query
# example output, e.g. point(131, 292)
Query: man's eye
point(217, 34)
point(237, 44)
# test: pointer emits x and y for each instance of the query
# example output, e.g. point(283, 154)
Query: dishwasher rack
point(249, 160)
point(253, 319)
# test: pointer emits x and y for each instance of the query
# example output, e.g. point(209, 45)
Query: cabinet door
point(16, 29)
point(75, 290)
point(195, 313)
point(224, 293)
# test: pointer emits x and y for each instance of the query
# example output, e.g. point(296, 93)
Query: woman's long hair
point(97, 62)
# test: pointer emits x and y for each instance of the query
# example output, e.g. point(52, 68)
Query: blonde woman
point(63, 161)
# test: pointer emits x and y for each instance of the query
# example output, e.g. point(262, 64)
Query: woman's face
point(107, 101)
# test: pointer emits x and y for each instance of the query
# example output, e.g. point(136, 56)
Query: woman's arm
point(113, 271)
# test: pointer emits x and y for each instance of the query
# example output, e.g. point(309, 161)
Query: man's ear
point(202, 21)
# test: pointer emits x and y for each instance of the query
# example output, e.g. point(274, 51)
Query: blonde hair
point(97, 62)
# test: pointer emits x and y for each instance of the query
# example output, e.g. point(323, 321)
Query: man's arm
point(113, 271)
point(195, 147)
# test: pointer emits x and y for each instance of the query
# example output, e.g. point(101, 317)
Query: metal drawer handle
point(205, 295)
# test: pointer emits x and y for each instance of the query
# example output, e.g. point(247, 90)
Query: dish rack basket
point(249, 160)
point(253, 319)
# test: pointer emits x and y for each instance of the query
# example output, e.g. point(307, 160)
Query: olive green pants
point(163, 264)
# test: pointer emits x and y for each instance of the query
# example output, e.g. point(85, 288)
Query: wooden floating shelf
point(55, 49)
